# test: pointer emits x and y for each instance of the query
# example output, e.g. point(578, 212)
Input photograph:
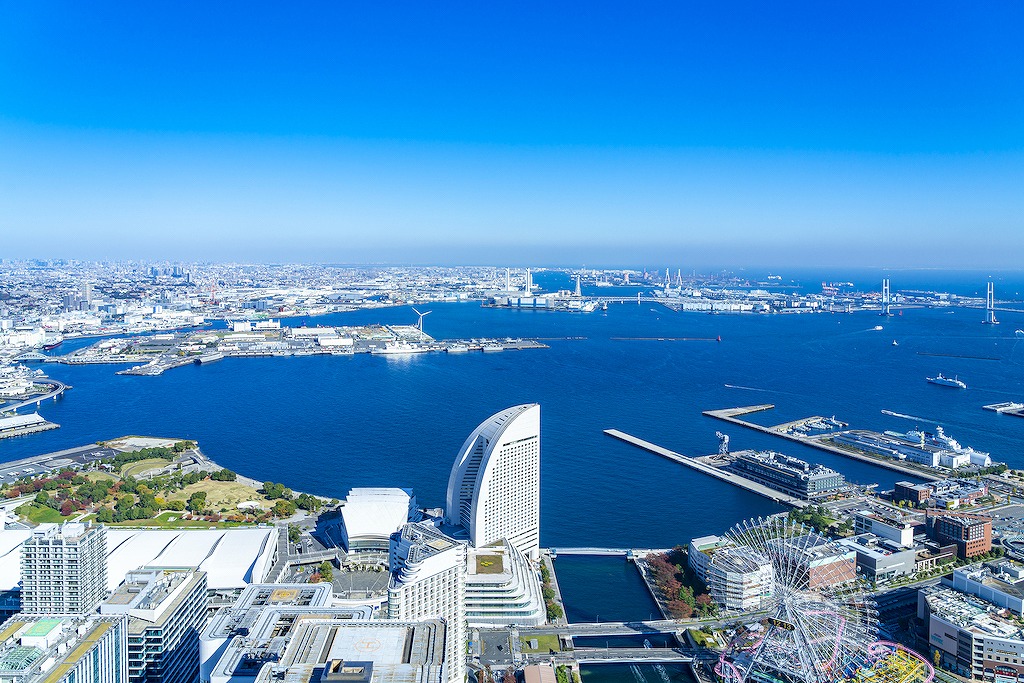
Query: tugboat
point(954, 382)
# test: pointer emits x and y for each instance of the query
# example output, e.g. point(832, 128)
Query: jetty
point(1006, 408)
point(785, 431)
point(717, 473)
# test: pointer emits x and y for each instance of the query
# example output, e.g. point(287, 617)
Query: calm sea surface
point(327, 424)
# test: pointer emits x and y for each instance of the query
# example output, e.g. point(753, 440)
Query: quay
point(1006, 408)
point(20, 425)
point(732, 415)
point(729, 477)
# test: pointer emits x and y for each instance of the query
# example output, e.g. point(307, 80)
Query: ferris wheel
point(812, 621)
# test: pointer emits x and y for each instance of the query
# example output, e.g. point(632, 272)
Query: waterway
point(326, 424)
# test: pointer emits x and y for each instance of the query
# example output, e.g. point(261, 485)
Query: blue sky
point(718, 133)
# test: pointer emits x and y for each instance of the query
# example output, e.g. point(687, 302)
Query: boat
point(492, 348)
point(1019, 333)
point(397, 348)
point(457, 348)
point(877, 328)
point(211, 357)
point(52, 341)
point(895, 343)
point(954, 382)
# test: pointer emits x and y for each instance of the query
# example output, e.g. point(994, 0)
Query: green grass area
point(174, 521)
point(134, 469)
point(221, 494)
point(489, 564)
point(101, 476)
point(545, 643)
point(40, 513)
point(702, 639)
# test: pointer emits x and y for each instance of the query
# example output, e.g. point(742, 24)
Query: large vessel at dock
point(953, 382)
point(211, 357)
point(398, 348)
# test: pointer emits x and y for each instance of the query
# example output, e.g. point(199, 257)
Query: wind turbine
point(421, 315)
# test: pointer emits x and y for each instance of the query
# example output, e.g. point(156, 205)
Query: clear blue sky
point(722, 133)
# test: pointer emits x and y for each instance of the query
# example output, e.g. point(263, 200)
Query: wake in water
point(663, 672)
point(907, 417)
point(737, 386)
point(638, 674)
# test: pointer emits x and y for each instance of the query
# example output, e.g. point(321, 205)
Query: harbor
point(788, 430)
point(155, 354)
point(716, 472)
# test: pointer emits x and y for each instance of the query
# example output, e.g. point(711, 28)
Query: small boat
point(954, 382)
point(877, 328)
point(895, 343)
point(1019, 333)
point(457, 348)
point(492, 348)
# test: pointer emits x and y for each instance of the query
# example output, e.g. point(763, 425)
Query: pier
point(729, 477)
point(732, 415)
point(1006, 408)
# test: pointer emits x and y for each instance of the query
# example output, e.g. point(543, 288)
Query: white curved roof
point(375, 512)
point(231, 558)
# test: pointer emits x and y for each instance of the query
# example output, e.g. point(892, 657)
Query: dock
point(722, 475)
point(1006, 408)
point(20, 425)
point(733, 415)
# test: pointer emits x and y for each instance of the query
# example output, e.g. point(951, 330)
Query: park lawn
point(134, 469)
point(545, 643)
point(101, 476)
point(221, 494)
point(174, 521)
point(40, 514)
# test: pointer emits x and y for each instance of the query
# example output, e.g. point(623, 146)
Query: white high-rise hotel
point(494, 488)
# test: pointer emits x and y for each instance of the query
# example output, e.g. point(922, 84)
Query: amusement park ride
point(820, 626)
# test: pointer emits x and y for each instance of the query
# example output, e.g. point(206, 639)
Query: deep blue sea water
point(324, 424)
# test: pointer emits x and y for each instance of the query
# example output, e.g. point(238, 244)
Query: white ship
point(954, 382)
point(397, 348)
point(457, 348)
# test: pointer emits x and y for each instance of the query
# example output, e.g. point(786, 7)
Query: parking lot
point(40, 464)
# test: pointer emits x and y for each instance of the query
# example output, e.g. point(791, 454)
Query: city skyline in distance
point(720, 136)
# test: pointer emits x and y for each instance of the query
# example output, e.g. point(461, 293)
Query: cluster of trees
point(274, 491)
point(815, 516)
point(485, 675)
point(684, 594)
point(224, 475)
point(554, 610)
point(307, 502)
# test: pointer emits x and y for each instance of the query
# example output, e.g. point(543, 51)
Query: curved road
point(58, 389)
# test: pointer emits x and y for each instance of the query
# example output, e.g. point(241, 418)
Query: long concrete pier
point(731, 415)
point(729, 477)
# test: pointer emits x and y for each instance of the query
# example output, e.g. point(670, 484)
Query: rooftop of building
point(789, 464)
point(892, 518)
point(39, 648)
point(152, 594)
point(377, 512)
point(327, 649)
point(873, 546)
point(972, 613)
point(426, 540)
point(240, 617)
point(1005, 575)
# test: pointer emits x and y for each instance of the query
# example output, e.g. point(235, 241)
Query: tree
point(66, 508)
point(326, 570)
point(42, 497)
point(224, 475)
point(197, 501)
point(294, 533)
point(283, 508)
point(554, 611)
point(105, 516)
point(510, 676)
